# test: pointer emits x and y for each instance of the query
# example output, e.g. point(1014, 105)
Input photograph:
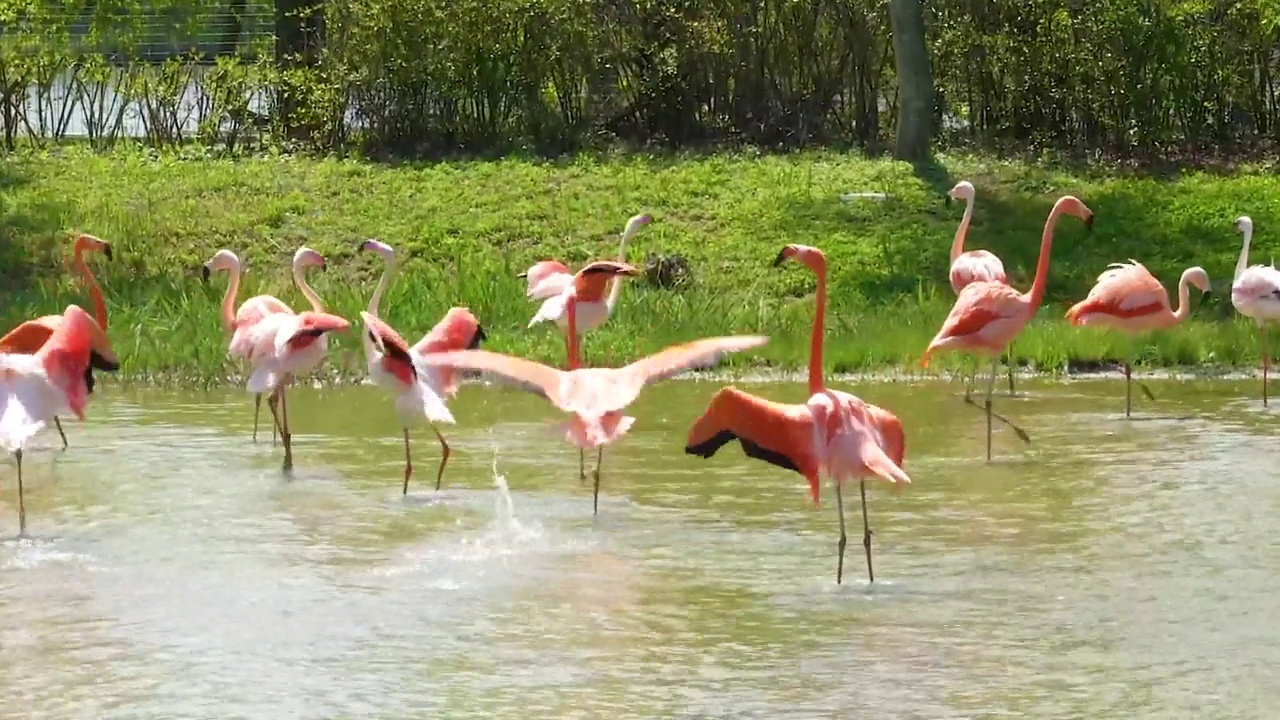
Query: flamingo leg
point(273, 404)
point(408, 463)
point(991, 386)
point(1128, 388)
point(22, 508)
point(595, 496)
point(58, 424)
point(257, 408)
point(1266, 361)
point(1022, 434)
point(444, 457)
point(866, 530)
point(285, 435)
point(843, 538)
point(582, 466)
point(1009, 360)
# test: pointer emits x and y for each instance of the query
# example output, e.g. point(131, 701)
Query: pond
point(1109, 569)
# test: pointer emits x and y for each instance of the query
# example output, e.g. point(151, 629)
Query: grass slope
point(465, 229)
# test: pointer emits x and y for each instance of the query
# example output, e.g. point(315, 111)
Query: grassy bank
point(464, 230)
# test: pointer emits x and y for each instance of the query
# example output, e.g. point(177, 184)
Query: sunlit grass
point(464, 230)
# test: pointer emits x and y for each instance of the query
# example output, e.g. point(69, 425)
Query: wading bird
point(973, 266)
point(30, 336)
point(419, 390)
point(1128, 297)
point(36, 387)
point(253, 310)
point(987, 315)
point(550, 281)
point(595, 397)
point(1255, 293)
point(833, 434)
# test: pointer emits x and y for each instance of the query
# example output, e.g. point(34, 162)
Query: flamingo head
point(221, 260)
point(379, 247)
point(306, 257)
point(810, 257)
point(1198, 277)
point(1072, 205)
point(1244, 224)
point(635, 223)
point(89, 242)
point(962, 191)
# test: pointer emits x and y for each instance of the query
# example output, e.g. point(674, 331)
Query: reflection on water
point(1110, 569)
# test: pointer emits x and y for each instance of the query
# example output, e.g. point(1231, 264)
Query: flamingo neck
point(95, 291)
point(615, 283)
point(1184, 299)
point(816, 383)
point(383, 282)
point(1243, 262)
point(229, 298)
point(571, 317)
point(1036, 294)
point(962, 232)
point(306, 290)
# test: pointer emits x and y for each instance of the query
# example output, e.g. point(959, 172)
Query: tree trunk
point(915, 81)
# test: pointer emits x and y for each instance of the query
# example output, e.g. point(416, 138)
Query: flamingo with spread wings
point(595, 397)
point(551, 281)
point(34, 388)
point(254, 309)
point(834, 433)
point(394, 365)
point(988, 315)
point(32, 335)
point(1255, 293)
point(973, 266)
point(1128, 297)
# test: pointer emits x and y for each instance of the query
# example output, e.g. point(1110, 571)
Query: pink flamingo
point(550, 281)
point(393, 364)
point(257, 307)
point(36, 387)
point(595, 397)
point(1255, 293)
point(834, 433)
point(973, 266)
point(987, 315)
point(1129, 298)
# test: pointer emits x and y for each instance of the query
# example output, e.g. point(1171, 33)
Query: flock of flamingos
point(46, 364)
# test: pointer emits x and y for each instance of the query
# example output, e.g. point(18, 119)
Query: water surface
point(1111, 569)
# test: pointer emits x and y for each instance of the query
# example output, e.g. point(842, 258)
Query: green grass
point(465, 229)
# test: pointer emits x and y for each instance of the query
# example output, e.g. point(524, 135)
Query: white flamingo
point(1255, 293)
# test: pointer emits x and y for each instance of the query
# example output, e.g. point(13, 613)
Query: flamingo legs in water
point(991, 414)
point(1009, 360)
point(844, 540)
point(1128, 385)
point(58, 424)
point(280, 413)
point(444, 457)
point(595, 497)
point(22, 508)
point(1266, 361)
point(257, 407)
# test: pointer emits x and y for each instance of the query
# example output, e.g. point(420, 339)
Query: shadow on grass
point(30, 235)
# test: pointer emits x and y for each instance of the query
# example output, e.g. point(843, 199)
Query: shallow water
point(1111, 569)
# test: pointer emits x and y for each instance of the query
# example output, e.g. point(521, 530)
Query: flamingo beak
point(782, 256)
point(377, 342)
point(1088, 223)
point(947, 199)
point(106, 250)
point(479, 337)
point(204, 273)
point(523, 275)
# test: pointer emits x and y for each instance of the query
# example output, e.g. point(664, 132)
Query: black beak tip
point(947, 200)
point(1088, 224)
point(88, 380)
point(523, 275)
point(204, 273)
point(107, 251)
point(478, 338)
point(782, 257)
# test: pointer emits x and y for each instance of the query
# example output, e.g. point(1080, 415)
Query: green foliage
point(464, 230)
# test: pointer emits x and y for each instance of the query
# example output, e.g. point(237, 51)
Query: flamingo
point(987, 315)
point(834, 433)
point(594, 398)
point(974, 265)
point(393, 364)
point(257, 307)
point(1129, 298)
point(31, 335)
point(550, 281)
point(35, 387)
point(1255, 293)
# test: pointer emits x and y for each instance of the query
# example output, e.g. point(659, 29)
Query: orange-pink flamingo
point(34, 388)
point(1255, 293)
point(988, 315)
point(973, 266)
point(31, 335)
point(595, 397)
point(833, 433)
point(239, 323)
point(419, 390)
point(1128, 297)
point(550, 281)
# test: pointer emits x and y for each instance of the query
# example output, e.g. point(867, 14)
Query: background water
point(1111, 569)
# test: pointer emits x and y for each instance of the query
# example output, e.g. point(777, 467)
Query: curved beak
point(947, 200)
point(204, 273)
point(106, 250)
point(782, 257)
point(523, 275)
point(1088, 223)
point(478, 338)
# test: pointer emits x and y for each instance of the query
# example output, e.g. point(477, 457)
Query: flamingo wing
point(977, 266)
point(305, 327)
point(25, 402)
point(547, 278)
point(847, 440)
point(1124, 290)
point(30, 336)
point(523, 374)
point(1258, 284)
point(669, 362)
